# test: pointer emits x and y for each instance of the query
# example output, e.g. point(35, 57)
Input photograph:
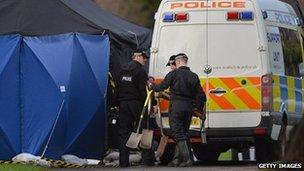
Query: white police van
point(249, 56)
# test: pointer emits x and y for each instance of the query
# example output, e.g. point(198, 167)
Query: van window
point(181, 39)
point(292, 51)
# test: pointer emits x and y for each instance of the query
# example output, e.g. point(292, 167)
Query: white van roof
point(267, 5)
point(276, 5)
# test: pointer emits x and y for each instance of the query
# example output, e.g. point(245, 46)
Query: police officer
point(131, 97)
point(171, 62)
point(185, 89)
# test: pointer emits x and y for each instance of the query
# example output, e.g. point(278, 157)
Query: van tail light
point(259, 131)
point(169, 17)
point(267, 92)
point(240, 15)
point(246, 15)
point(233, 15)
point(181, 17)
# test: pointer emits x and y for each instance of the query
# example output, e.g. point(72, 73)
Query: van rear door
point(173, 39)
point(234, 81)
point(233, 68)
point(224, 53)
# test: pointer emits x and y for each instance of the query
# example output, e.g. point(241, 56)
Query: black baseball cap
point(143, 53)
point(171, 60)
point(181, 55)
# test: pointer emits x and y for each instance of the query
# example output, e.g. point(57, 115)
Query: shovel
point(135, 137)
point(147, 135)
point(146, 139)
point(164, 139)
point(203, 132)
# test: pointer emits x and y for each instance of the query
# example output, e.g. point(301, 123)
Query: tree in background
point(137, 11)
point(298, 6)
point(142, 11)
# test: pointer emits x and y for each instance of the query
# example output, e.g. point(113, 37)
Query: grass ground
point(226, 156)
point(12, 167)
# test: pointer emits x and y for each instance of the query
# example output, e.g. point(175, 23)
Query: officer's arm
point(200, 99)
point(164, 95)
point(164, 84)
point(115, 81)
point(142, 80)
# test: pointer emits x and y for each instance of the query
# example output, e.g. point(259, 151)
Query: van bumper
point(230, 135)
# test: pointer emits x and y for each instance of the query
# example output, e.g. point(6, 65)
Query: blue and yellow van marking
point(288, 90)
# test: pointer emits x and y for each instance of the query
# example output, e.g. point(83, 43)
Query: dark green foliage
point(140, 12)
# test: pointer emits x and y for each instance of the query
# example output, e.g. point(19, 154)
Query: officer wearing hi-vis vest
point(185, 89)
point(131, 96)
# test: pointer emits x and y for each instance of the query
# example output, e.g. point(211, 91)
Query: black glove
point(200, 114)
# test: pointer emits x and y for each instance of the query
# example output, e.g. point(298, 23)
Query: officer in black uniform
point(171, 62)
point(185, 89)
point(131, 96)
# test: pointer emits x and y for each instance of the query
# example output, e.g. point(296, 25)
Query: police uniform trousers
point(129, 114)
point(180, 119)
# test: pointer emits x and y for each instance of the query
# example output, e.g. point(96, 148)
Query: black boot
point(185, 154)
point(124, 157)
point(175, 161)
point(147, 156)
point(191, 151)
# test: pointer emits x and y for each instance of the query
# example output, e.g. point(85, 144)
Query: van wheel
point(260, 149)
point(168, 155)
point(282, 142)
point(266, 149)
point(234, 154)
point(244, 151)
point(206, 153)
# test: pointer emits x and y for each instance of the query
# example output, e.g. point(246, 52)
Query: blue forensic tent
point(48, 82)
point(54, 61)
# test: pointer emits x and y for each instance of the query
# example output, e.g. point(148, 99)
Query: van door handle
point(218, 91)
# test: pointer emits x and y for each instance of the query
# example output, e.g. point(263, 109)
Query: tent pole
point(21, 94)
point(53, 129)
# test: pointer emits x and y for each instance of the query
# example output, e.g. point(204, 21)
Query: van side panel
point(242, 93)
point(288, 95)
point(285, 56)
